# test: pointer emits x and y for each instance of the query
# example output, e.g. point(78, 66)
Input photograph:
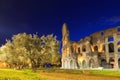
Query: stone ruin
point(100, 49)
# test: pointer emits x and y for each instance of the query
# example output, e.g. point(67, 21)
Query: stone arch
point(84, 65)
point(118, 45)
point(104, 63)
point(84, 48)
point(119, 63)
point(91, 63)
point(111, 47)
point(111, 62)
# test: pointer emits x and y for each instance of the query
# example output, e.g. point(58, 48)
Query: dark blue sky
point(47, 16)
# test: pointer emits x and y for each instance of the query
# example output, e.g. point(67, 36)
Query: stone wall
point(100, 49)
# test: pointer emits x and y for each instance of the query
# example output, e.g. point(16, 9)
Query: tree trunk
point(33, 66)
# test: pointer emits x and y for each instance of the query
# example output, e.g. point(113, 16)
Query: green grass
point(27, 74)
point(10, 74)
point(106, 72)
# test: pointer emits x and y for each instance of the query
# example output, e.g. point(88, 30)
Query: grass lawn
point(58, 74)
point(10, 74)
point(106, 72)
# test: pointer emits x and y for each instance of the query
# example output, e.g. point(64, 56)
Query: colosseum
point(100, 49)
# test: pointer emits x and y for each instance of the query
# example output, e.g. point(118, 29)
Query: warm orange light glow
point(92, 48)
point(64, 42)
point(118, 46)
point(75, 47)
point(100, 49)
point(67, 51)
point(112, 62)
point(81, 58)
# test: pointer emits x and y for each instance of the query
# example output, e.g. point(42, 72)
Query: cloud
point(115, 19)
point(109, 21)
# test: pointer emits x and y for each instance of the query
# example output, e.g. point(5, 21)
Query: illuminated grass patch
point(10, 74)
point(58, 74)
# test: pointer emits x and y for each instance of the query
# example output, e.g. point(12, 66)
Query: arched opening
point(79, 50)
point(118, 45)
point(104, 63)
point(71, 64)
point(102, 33)
point(84, 64)
point(118, 29)
point(84, 48)
point(96, 48)
point(66, 64)
point(110, 39)
point(72, 49)
point(91, 63)
point(119, 62)
point(111, 62)
point(111, 47)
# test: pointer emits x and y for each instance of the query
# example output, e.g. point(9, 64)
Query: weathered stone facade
point(100, 49)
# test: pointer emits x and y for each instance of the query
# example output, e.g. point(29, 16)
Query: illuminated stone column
point(116, 51)
point(106, 50)
point(115, 43)
point(96, 61)
point(62, 63)
point(116, 62)
point(87, 62)
point(80, 48)
point(87, 47)
point(75, 65)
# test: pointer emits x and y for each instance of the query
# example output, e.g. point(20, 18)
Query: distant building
point(100, 49)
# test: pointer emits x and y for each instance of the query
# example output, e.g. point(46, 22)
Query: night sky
point(47, 16)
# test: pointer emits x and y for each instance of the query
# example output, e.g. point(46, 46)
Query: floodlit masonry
point(100, 49)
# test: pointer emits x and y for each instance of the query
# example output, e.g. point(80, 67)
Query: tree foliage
point(27, 49)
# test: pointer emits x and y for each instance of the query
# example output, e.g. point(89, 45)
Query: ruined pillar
point(116, 67)
point(88, 47)
point(87, 62)
point(96, 61)
point(80, 48)
point(115, 43)
point(106, 50)
point(116, 51)
point(62, 63)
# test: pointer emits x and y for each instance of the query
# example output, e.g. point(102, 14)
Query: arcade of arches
point(100, 49)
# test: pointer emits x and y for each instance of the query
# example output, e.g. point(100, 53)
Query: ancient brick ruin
point(100, 49)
